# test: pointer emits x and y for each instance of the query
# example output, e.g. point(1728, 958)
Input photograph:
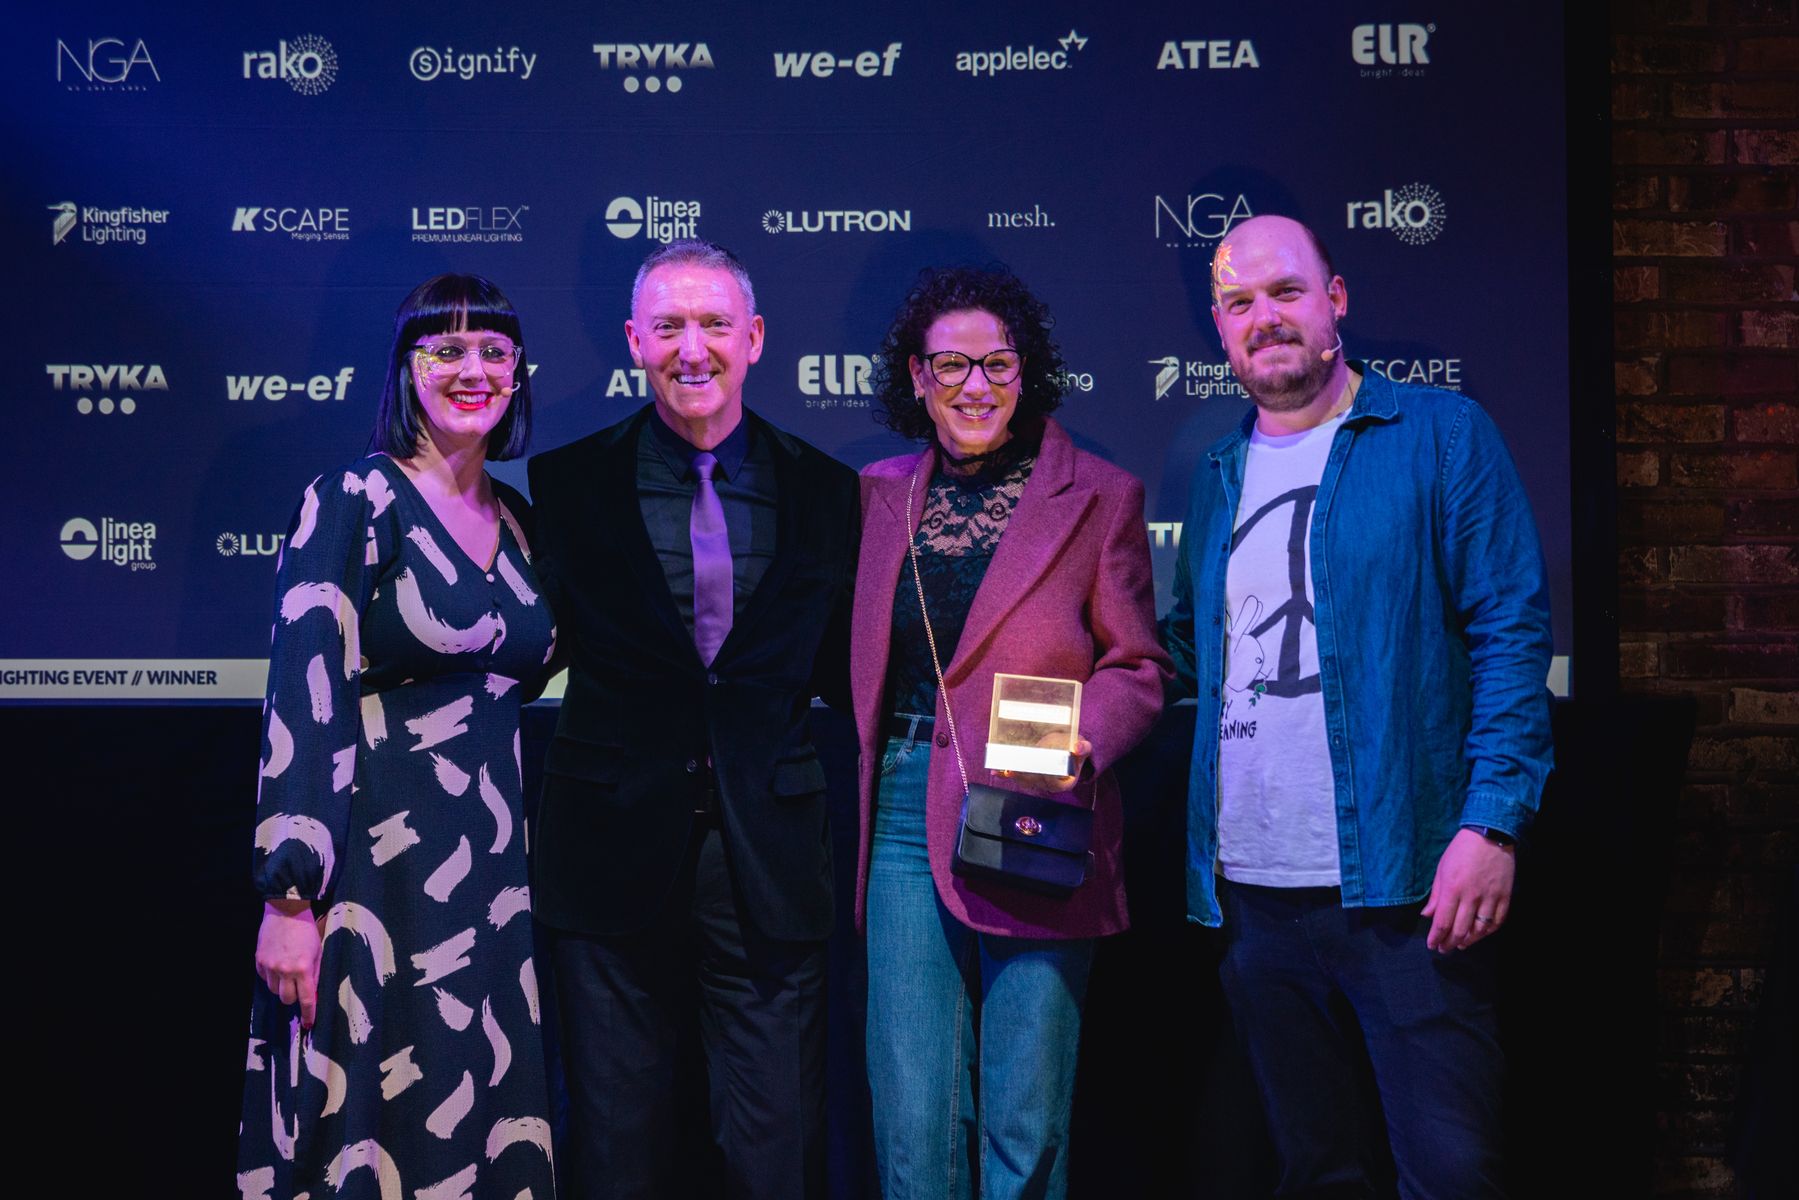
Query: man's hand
point(287, 954)
point(1471, 893)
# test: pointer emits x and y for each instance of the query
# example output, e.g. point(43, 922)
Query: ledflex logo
point(104, 226)
point(300, 224)
point(307, 64)
point(653, 217)
point(106, 388)
point(495, 224)
point(651, 67)
point(1003, 61)
point(122, 543)
point(1415, 213)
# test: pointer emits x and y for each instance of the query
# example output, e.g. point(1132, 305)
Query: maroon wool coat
point(1068, 594)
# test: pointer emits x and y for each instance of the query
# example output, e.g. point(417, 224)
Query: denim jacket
point(1432, 615)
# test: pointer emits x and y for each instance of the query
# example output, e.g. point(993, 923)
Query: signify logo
point(1384, 50)
point(1198, 220)
point(1216, 55)
point(300, 224)
point(653, 217)
point(122, 543)
point(106, 388)
point(1415, 213)
point(106, 66)
point(103, 226)
point(651, 67)
point(307, 64)
point(1008, 59)
point(1195, 377)
point(428, 63)
point(822, 64)
point(496, 224)
point(842, 220)
point(230, 545)
point(279, 387)
point(1036, 218)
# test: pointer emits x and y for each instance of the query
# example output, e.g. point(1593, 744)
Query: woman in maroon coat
point(1032, 559)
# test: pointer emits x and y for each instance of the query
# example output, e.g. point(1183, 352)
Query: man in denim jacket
point(1362, 613)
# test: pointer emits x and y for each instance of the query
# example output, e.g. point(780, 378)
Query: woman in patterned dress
point(394, 1040)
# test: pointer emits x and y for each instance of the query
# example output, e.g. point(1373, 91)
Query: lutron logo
point(1382, 50)
point(653, 217)
point(651, 67)
point(1195, 377)
point(104, 226)
point(307, 64)
point(1008, 59)
point(122, 543)
point(300, 224)
point(1216, 55)
point(1415, 213)
point(428, 63)
point(872, 220)
point(279, 387)
point(231, 545)
point(495, 224)
point(105, 65)
point(1198, 220)
point(822, 64)
point(106, 389)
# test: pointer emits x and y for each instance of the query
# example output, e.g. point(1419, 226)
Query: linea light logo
point(307, 64)
point(121, 543)
point(653, 217)
point(1415, 213)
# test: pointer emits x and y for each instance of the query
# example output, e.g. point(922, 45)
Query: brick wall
point(1705, 242)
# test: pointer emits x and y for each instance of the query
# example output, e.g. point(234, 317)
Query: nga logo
point(104, 68)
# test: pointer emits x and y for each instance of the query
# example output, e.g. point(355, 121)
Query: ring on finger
point(1483, 920)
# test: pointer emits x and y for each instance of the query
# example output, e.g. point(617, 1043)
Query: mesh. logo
point(1415, 213)
point(307, 64)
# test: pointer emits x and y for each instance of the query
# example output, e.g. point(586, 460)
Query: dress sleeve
point(312, 715)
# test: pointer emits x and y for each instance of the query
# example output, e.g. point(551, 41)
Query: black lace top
point(964, 517)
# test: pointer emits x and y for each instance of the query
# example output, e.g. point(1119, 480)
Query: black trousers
point(629, 1007)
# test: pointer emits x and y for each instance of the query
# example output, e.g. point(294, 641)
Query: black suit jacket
point(627, 766)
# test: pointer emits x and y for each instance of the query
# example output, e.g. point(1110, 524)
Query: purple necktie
point(711, 563)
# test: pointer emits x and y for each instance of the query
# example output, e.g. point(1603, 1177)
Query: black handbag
point(1016, 838)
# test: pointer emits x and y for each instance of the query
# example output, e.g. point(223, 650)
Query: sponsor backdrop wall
point(209, 221)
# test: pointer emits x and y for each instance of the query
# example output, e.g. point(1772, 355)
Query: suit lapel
point(790, 516)
point(616, 483)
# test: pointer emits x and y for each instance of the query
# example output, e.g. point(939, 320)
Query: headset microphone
point(1333, 351)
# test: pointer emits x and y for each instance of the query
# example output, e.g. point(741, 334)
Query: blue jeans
point(960, 1101)
point(1305, 977)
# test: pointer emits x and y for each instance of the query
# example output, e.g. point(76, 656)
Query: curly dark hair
point(991, 289)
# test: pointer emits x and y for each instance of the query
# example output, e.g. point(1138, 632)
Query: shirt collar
point(677, 452)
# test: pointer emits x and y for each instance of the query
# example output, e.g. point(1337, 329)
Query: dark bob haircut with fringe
point(450, 304)
point(991, 289)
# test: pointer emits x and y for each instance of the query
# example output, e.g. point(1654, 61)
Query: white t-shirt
point(1277, 811)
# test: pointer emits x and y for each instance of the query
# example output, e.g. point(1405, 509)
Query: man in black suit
point(700, 563)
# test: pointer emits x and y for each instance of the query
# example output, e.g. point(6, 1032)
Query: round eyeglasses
point(951, 368)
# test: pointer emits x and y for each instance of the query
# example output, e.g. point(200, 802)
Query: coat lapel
point(616, 483)
point(790, 513)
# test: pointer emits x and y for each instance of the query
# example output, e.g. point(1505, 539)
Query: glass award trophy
point(1036, 724)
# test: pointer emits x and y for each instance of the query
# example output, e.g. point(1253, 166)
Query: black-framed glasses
point(951, 367)
point(494, 355)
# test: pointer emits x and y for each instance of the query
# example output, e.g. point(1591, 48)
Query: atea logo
point(1392, 45)
point(822, 64)
point(1415, 213)
point(653, 217)
point(105, 388)
point(1212, 55)
point(664, 57)
point(278, 387)
point(106, 66)
point(307, 64)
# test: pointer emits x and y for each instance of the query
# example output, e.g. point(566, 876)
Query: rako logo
point(825, 376)
point(1383, 49)
point(665, 57)
point(108, 379)
point(103, 226)
point(653, 217)
point(307, 64)
point(106, 66)
point(822, 64)
point(300, 224)
point(1415, 213)
point(997, 62)
point(121, 543)
point(496, 224)
point(1199, 220)
point(279, 387)
point(1211, 55)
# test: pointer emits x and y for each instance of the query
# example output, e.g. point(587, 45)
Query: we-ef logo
point(307, 64)
point(300, 224)
point(496, 224)
point(841, 220)
point(231, 545)
point(652, 68)
point(1384, 49)
point(1415, 213)
point(653, 217)
point(279, 387)
point(121, 543)
point(999, 62)
point(1207, 55)
point(1198, 220)
point(822, 64)
point(105, 66)
point(106, 388)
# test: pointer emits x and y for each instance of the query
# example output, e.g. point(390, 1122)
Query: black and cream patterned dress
point(390, 797)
